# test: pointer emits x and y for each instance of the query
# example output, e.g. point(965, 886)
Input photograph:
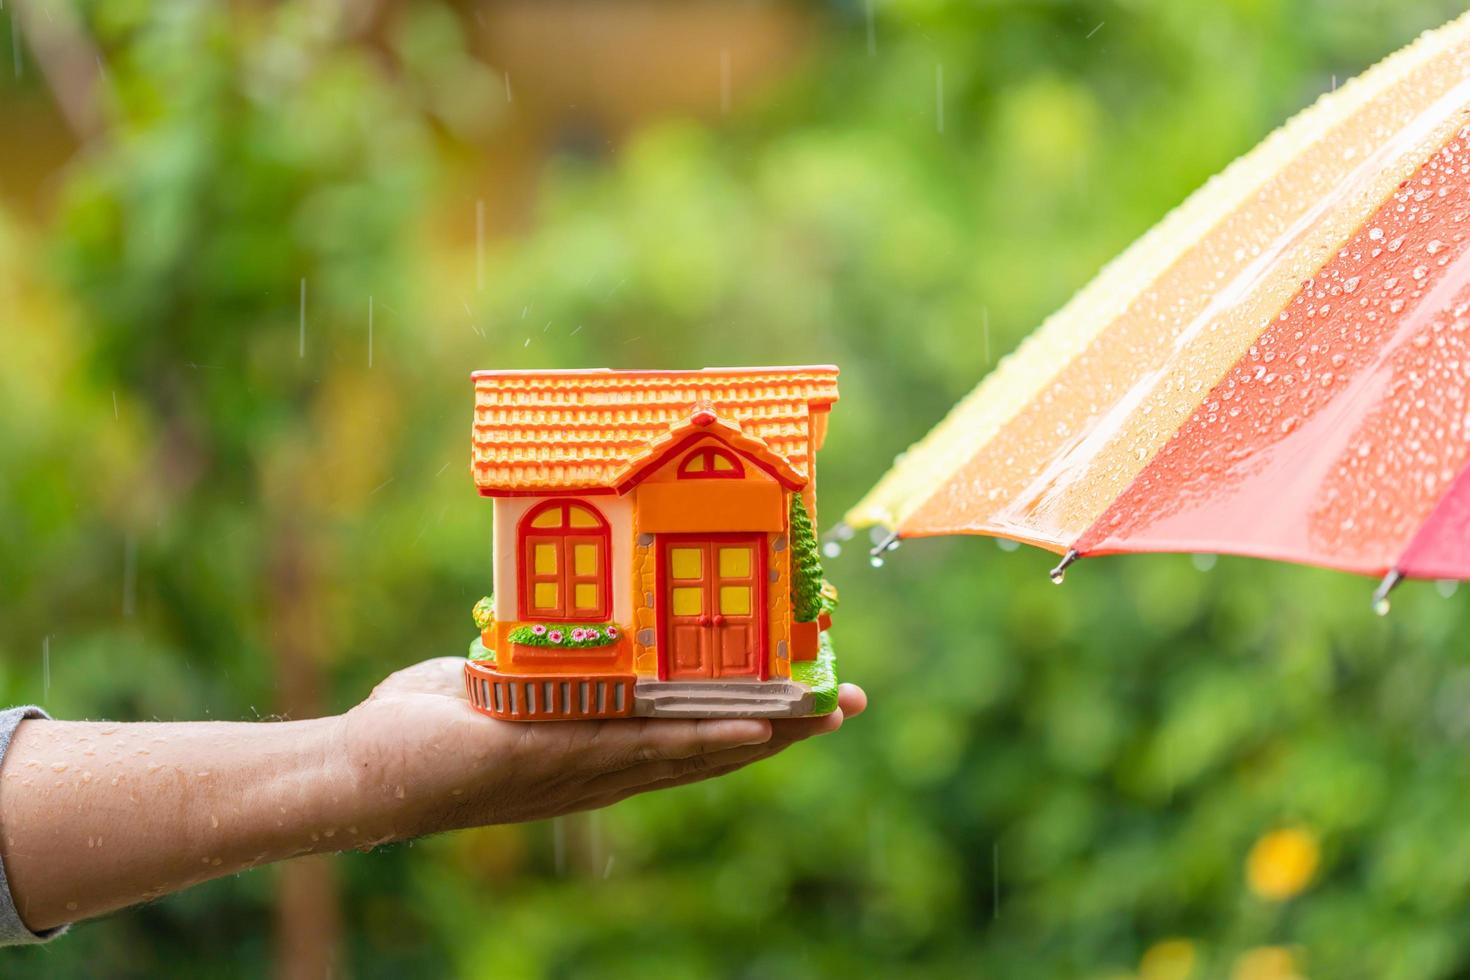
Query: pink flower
point(539, 630)
point(554, 636)
point(612, 632)
point(579, 634)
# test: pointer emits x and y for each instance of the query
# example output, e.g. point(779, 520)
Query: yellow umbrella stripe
point(1044, 444)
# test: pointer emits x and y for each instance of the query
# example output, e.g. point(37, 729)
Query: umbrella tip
point(887, 544)
point(1381, 605)
point(1059, 574)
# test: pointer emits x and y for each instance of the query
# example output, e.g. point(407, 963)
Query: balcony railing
point(542, 697)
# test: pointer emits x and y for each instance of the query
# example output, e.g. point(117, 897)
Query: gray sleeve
point(13, 931)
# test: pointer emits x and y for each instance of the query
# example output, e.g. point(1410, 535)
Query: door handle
point(719, 620)
point(704, 620)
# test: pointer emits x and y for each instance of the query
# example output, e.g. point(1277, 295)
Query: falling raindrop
point(370, 331)
point(939, 99)
point(480, 245)
point(301, 337)
point(995, 879)
point(559, 844)
point(1095, 30)
point(130, 575)
point(1006, 544)
point(1203, 562)
point(46, 668)
point(725, 81)
point(1446, 587)
point(1381, 606)
point(876, 561)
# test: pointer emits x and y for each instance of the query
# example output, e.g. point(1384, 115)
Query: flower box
point(804, 640)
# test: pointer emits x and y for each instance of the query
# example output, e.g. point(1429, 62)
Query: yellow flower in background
point(1282, 863)
point(1266, 963)
point(1167, 959)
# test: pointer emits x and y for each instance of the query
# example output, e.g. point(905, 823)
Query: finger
point(620, 744)
point(647, 773)
point(852, 699)
point(796, 729)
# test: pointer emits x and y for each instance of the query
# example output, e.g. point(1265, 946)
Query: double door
point(713, 597)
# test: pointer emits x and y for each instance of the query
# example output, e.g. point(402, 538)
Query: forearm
point(96, 816)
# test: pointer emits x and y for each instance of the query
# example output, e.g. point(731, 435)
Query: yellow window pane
point(723, 464)
point(735, 600)
point(545, 563)
point(584, 596)
point(735, 562)
point(584, 559)
point(688, 602)
point(696, 465)
point(582, 517)
point(550, 517)
point(545, 595)
point(686, 562)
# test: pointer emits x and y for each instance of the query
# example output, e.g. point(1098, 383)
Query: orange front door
point(712, 602)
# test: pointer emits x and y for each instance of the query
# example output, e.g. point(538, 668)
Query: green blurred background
point(249, 254)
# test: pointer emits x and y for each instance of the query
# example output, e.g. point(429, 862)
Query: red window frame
point(565, 538)
point(709, 454)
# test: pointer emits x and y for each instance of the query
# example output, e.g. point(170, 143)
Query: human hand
point(425, 761)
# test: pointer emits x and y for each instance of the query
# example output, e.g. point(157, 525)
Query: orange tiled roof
point(588, 429)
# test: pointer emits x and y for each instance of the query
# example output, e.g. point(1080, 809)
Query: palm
point(418, 731)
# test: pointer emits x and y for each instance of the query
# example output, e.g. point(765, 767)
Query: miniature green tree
point(806, 570)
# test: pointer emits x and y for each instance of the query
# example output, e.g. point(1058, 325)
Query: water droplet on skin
point(1376, 234)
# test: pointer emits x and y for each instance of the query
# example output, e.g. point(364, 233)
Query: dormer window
point(710, 463)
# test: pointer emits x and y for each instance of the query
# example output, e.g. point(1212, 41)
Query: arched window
point(564, 556)
point(710, 463)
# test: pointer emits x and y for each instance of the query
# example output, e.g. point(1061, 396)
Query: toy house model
point(653, 545)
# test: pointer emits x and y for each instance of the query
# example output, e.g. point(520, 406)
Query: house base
point(721, 699)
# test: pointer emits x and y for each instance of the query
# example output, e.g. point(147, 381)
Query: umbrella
point(1280, 368)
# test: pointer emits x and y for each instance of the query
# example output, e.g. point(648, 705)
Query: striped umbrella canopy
point(1280, 368)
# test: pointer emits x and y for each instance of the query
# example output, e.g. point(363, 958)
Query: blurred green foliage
point(235, 405)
